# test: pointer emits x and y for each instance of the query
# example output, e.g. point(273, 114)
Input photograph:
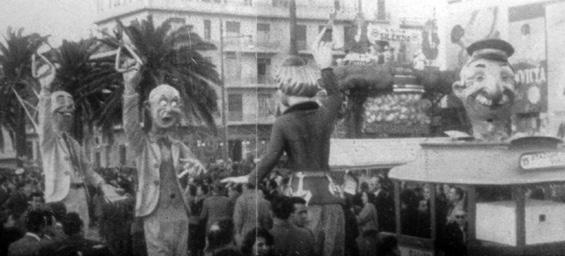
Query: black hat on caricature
point(490, 49)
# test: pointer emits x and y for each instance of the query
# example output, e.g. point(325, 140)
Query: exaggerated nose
point(494, 88)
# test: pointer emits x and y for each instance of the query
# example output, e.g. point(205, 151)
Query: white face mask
point(63, 108)
point(165, 106)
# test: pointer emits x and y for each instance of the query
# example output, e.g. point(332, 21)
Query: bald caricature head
point(487, 86)
point(62, 108)
point(164, 106)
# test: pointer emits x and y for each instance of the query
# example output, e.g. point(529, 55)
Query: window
point(263, 31)
point(349, 34)
point(381, 10)
point(97, 159)
point(29, 149)
point(235, 107)
point(280, 3)
point(232, 67)
point(263, 70)
point(123, 155)
point(301, 41)
point(232, 27)
point(328, 35)
point(207, 30)
point(265, 108)
point(177, 22)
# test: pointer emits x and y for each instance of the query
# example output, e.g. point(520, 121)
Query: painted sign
point(542, 160)
point(555, 21)
point(375, 32)
point(526, 32)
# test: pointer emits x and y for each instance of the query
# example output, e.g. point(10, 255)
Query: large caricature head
point(164, 106)
point(487, 85)
point(62, 108)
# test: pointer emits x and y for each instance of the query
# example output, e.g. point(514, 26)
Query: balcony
point(247, 44)
point(265, 81)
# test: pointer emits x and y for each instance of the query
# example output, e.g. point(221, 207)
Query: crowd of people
point(179, 209)
point(233, 219)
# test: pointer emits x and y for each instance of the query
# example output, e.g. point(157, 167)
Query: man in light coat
point(162, 166)
point(66, 167)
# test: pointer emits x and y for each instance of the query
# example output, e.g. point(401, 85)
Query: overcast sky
point(72, 19)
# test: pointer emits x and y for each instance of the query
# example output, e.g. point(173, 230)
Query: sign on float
point(542, 160)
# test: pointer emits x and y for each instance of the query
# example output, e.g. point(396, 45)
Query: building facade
point(255, 40)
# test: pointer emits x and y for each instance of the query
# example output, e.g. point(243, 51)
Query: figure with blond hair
point(303, 132)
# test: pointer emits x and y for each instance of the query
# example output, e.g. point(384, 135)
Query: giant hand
point(237, 180)
point(111, 193)
point(45, 74)
point(322, 51)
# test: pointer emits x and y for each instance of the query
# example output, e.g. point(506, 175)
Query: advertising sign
point(555, 22)
point(526, 32)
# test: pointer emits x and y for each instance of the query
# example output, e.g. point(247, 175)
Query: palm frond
point(171, 56)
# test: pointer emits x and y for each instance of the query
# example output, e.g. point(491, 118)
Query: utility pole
point(292, 15)
point(225, 148)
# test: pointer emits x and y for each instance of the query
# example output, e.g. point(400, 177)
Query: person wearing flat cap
point(487, 89)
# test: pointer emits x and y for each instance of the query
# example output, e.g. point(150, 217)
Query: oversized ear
point(458, 88)
point(146, 106)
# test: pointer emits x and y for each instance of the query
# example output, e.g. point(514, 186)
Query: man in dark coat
point(217, 207)
point(251, 210)
point(303, 132)
point(33, 241)
point(454, 236)
point(290, 240)
point(75, 243)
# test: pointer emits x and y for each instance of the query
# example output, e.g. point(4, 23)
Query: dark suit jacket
point(453, 241)
point(216, 208)
point(27, 245)
point(251, 210)
point(74, 244)
point(291, 240)
point(17, 202)
point(4, 195)
point(303, 131)
point(8, 236)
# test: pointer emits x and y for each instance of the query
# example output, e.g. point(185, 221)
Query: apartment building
point(255, 40)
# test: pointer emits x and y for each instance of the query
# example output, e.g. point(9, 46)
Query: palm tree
point(171, 56)
point(17, 83)
point(93, 83)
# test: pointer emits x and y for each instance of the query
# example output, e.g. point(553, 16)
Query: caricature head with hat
point(487, 86)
